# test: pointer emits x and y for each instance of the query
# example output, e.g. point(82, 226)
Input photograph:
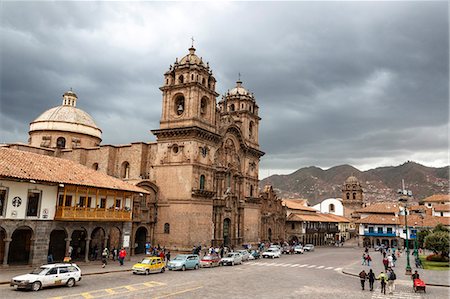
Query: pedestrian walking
point(168, 256)
point(385, 263)
point(390, 261)
point(122, 255)
point(362, 278)
point(369, 259)
point(364, 259)
point(371, 278)
point(69, 252)
point(391, 281)
point(383, 279)
point(105, 254)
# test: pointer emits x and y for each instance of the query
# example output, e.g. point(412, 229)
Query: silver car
point(245, 254)
point(308, 247)
point(231, 258)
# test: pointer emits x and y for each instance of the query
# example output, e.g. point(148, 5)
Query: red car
point(209, 261)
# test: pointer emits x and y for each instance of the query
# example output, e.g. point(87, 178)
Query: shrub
point(436, 258)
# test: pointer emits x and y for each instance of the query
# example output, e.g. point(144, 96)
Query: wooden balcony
point(91, 214)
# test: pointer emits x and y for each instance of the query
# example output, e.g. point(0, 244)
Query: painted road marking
point(114, 291)
point(294, 265)
point(328, 268)
point(320, 267)
point(304, 265)
point(312, 266)
point(178, 292)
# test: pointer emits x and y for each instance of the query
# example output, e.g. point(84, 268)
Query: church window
point(179, 104)
point(293, 225)
point(181, 79)
point(232, 107)
point(250, 129)
point(251, 190)
point(202, 182)
point(167, 81)
point(354, 195)
point(175, 149)
point(166, 228)
point(331, 208)
point(61, 142)
point(203, 106)
point(203, 81)
point(348, 195)
point(125, 170)
point(192, 77)
point(95, 166)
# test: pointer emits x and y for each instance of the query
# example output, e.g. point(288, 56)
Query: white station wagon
point(48, 275)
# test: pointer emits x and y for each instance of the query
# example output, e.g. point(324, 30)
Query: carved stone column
point(5, 257)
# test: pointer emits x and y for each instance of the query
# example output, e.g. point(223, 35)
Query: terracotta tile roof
point(438, 198)
point(426, 221)
point(442, 208)
point(379, 219)
point(380, 208)
point(25, 165)
point(296, 204)
point(318, 217)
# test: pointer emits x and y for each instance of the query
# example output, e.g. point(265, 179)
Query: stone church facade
point(201, 173)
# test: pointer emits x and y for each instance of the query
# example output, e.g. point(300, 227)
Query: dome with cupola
point(70, 125)
point(192, 58)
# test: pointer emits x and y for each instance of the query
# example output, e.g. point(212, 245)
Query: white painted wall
point(46, 209)
point(324, 206)
point(445, 214)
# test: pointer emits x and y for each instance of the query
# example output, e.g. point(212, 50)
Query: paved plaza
point(316, 274)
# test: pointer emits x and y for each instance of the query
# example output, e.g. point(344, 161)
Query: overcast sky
point(360, 83)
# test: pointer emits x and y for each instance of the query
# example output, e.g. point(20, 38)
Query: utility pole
point(404, 196)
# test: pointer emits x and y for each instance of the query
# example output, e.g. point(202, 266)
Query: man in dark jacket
point(371, 277)
point(363, 277)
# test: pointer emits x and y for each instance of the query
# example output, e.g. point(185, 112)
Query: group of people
point(119, 254)
point(387, 278)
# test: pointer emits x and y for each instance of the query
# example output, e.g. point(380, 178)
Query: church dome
point(352, 180)
point(192, 58)
point(66, 118)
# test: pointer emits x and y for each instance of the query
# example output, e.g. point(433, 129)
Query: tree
point(438, 242)
point(440, 228)
point(421, 235)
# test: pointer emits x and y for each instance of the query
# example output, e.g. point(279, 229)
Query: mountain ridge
point(379, 184)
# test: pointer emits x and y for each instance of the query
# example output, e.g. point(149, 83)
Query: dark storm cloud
point(364, 83)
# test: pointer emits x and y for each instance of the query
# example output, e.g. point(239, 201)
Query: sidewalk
point(90, 268)
point(430, 277)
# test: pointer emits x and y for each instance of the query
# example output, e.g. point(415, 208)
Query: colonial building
point(48, 204)
point(201, 174)
point(273, 217)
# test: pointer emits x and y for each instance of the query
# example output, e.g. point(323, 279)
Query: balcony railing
point(377, 234)
point(91, 214)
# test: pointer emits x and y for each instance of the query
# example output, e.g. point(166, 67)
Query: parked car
point(308, 247)
point(275, 246)
point(299, 249)
point(48, 275)
point(184, 261)
point(287, 249)
point(245, 254)
point(232, 258)
point(380, 247)
point(271, 253)
point(209, 261)
point(149, 265)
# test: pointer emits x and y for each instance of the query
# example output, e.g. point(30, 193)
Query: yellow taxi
point(151, 264)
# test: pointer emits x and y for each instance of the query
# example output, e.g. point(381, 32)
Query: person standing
point(390, 261)
point(362, 278)
point(385, 263)
point(368, 259)
point(122, 255)
point(168, 256)
point(391, 281)
point(371, 278)
point(364, 259)
point(383, 279)
point(105, 254)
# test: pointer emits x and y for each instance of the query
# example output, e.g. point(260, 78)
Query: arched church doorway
point(57, 245)
point(226, 231)
point(2, 244)
point(140, 239)
point(269, 234)
point(97, 243)
point(78, 244)
point(20, 247)
point(114, 238)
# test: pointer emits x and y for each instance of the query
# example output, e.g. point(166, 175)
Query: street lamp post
point(404, 198)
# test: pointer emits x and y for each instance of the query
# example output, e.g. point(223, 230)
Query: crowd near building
point(65, 193)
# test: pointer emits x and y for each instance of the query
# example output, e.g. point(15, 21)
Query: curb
point(87, 274)
point(428, 284)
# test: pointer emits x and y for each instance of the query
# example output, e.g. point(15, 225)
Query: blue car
point(184, 261)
